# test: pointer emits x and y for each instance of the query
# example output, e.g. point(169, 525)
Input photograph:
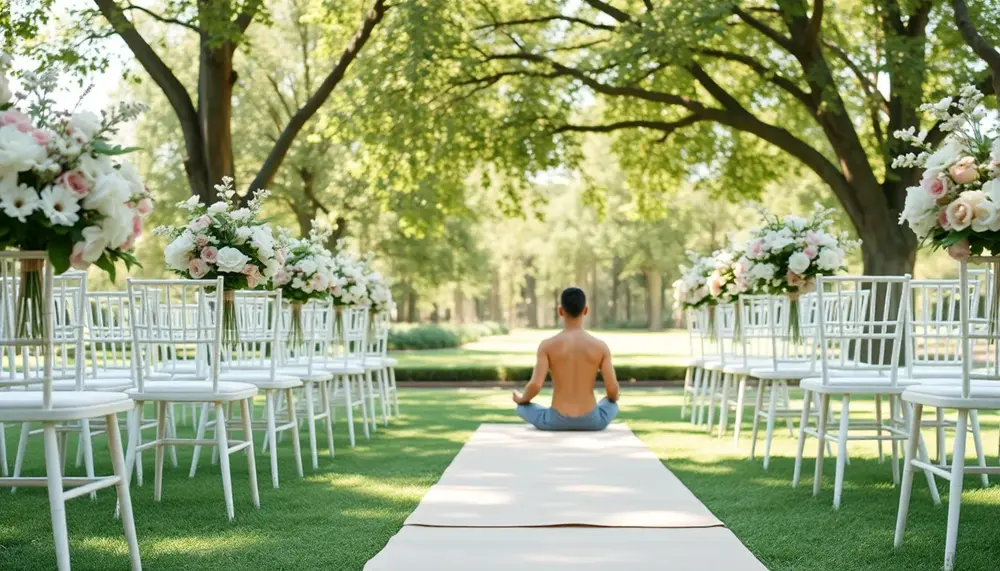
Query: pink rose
point(145, 206)
point(200, 223)
point(210, 254)
point(201, 240)
point(42, 137)
point(960, 250)
point(281, 278)
point(76, 257)
point(936, 187)
point(128, 243)
point(943, 219)
point(714, 285)
point(794, 279)
point(137, 226)
point(197, 268)
point(811, 252)
point(965, 170)
point(76, 182)
point(962, 211)
point(14, 118)
point(253, 275)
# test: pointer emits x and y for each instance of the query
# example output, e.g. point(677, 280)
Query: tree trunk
point(654, 287)
point(411, 305)
point(555, 306)
point(594, 302)
point(530, 297)
point(495, 300)
point(458, 315)
point(628, 301)
point(616, 269)
point(215, 102)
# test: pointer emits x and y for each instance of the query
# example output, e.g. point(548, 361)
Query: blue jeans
point(544, 418)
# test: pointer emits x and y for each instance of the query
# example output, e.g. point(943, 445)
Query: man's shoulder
point(597, 341)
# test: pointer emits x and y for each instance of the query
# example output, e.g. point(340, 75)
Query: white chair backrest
point(934, 325)
point(730, 347)
point(258, 317)
point(700, 334)
point(109, 331)
point(980, 330)
point(26, 330)
point(378, 342)
point(176, 315)
point(352, 333)
point(757, 326)
point(863, 331)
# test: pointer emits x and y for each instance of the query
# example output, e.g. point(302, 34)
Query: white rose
point(992, 189)
point(798, 263)
point(18, 151)
point(920, 211)
point(131, 175)
point(308, 266)
point(830, 259)
point(218, 207)
point(945, 155)
point(109, 191)
point(242, 235)
point(94, 243)
point(94, 167)
point(117, 224)
point(231, 260)
point(240, 214)
point(85, 124)
point(178, 252)
point(986, 217)
point(262, 240)
point(271, 267)
point(763, 271)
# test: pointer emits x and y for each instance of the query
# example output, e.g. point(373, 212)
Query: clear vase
point(794, 325)
point(295, 331)
point(230, 326)
point(29, 317)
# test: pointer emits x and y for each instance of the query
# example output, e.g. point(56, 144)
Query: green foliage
point(508, 373)
point(434, 336)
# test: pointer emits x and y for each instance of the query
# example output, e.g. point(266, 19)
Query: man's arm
point(608, 374)
point(537, 381)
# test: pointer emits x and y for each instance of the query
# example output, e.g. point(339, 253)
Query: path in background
point(509, 478)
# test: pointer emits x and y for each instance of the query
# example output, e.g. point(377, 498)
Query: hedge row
point(523, 373)
point(435, 336)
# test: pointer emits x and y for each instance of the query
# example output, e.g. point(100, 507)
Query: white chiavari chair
point(860, 344)
point(162, 319)
point(31, 357)
point(345, 358)
point(703, 347)
point(978, 389)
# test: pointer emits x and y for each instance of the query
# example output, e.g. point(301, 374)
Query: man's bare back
point(574, 357)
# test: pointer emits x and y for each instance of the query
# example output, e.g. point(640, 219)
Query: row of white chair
point(893, 339)
point(102, 354)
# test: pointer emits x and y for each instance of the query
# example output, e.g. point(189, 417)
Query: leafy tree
point(731, 95)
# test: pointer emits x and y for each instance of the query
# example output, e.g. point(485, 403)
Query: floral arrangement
point(63, 188)
point(379, 294)
point(725, 282)
point(349, 286)
point(957, 203)
point(225, 240)
point(785, 255)
point(691, 290)
point(307, 274)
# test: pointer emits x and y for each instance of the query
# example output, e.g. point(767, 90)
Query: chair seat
point(302, 372)
point(178, 367)
point(785, 372)
point(193, 391)
point(22, 406)
point(933, 371)
point(262, 379)
point(948, 394)
point(389, 361)
point(104, 385)
point(716, 364)
point(741, 368)
point(873, 384)
point(370, 364)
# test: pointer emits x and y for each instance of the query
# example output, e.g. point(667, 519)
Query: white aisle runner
point(518, 498)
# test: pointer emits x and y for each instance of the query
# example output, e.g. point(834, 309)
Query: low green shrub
point(519, 374)
point(410, 336)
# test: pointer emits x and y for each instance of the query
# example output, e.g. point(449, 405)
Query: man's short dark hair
point(573, 300)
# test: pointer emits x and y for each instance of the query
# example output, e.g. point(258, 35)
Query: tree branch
point(245, 18)
point(665, 126)
point(316, 100)
point(815, 25)
point(976, 41)
point(760, 69)
point(609, 10)
point(866, 83)
point(161, 18)
point(545, 20)
point(763, 28)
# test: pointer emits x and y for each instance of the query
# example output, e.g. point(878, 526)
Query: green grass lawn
point(518, 348)
point(340, 516)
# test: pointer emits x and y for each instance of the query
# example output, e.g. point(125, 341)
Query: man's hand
point(518, 398)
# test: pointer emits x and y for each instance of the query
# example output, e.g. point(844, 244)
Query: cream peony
point(962, 211)
point(231, 260)
point(94, 167)
point(965, 171)
point(85, 124)
point(109, 190)
point(18, 151)
point(798, 262)
point(987, 217)
point(830, 259)
point(94, 243)
point(178, 252)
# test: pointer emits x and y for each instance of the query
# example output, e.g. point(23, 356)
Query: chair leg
point(786, 403)
point(955, 489)
point(845, 413)
point(138, 453)
point(824, 409)
point(697, 388)
point(373, 419)
point(801, 447)
point(727, 381)
point(383, 387)
point(132, 420)
point(172, 433)
point(772, 414)
point(878, 430)
point(324, 393)
point(251, 459)
point(311, 424)
point(346, 380)
point(57, 505)
point(364, 409)
point(124, 498)
point(200, 435)
point(272, 435)
point(977, 439)
point(395, 390)
point(160, 449)
point(942, 451)
point(22, 448)
point(222, 442)
point(87, 446)
point(906, 486)
point(3, 451)
point(893, 402)
point(741, 394)
point(293, 419)
point(688, 389)
point(757, 406)
point(712, 385)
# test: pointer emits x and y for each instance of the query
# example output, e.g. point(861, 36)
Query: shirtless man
point(574, 356)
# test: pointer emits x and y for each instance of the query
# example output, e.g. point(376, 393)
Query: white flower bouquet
point(691, 289)
point(785, 255)
point(379, 294)
point(63, 189)
point(307, 274)
point(225, 240)
point(349, 287)
point(956, 206)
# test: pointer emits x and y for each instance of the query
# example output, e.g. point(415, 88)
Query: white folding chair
point(29, 358)
point(157, 325)
point(702, 348)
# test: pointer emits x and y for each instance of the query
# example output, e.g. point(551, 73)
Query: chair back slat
point(28, 351)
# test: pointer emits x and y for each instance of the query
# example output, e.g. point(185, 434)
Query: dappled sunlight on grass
point(201, 545)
